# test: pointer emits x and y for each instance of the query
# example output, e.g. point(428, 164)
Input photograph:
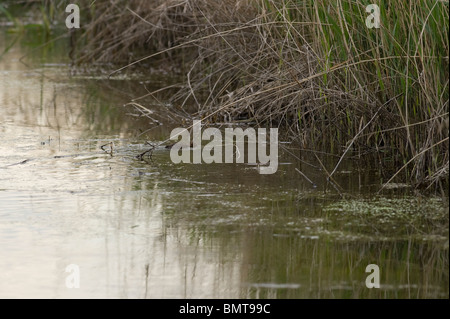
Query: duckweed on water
point(393, 217)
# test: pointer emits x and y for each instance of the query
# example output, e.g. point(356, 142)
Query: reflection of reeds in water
point(163, 258)
point(297, 250)
point(321, 269)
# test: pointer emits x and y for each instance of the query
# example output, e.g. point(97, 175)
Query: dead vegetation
point(311, 68)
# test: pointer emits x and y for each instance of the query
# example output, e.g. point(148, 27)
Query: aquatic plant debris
point(393, 216)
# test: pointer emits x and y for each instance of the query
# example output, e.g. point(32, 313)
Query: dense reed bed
point(312, 68)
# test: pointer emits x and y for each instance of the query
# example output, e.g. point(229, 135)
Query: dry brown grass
point(312, 68)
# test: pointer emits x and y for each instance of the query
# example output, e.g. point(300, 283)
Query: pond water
point(153, 229)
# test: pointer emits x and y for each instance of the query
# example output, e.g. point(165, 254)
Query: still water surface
point(152, 229)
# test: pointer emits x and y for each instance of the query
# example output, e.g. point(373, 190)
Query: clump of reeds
point(311, 67)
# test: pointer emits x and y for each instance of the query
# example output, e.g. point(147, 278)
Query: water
point(153, 229)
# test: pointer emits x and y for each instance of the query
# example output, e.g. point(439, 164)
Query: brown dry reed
point(312, 68)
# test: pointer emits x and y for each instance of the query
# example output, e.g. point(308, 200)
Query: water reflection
point(159, 230)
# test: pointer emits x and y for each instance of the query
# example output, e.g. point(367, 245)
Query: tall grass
point(310, 67)
point(407, 60)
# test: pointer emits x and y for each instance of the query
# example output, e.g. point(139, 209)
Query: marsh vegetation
point(362, 113)
point(312, 68)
